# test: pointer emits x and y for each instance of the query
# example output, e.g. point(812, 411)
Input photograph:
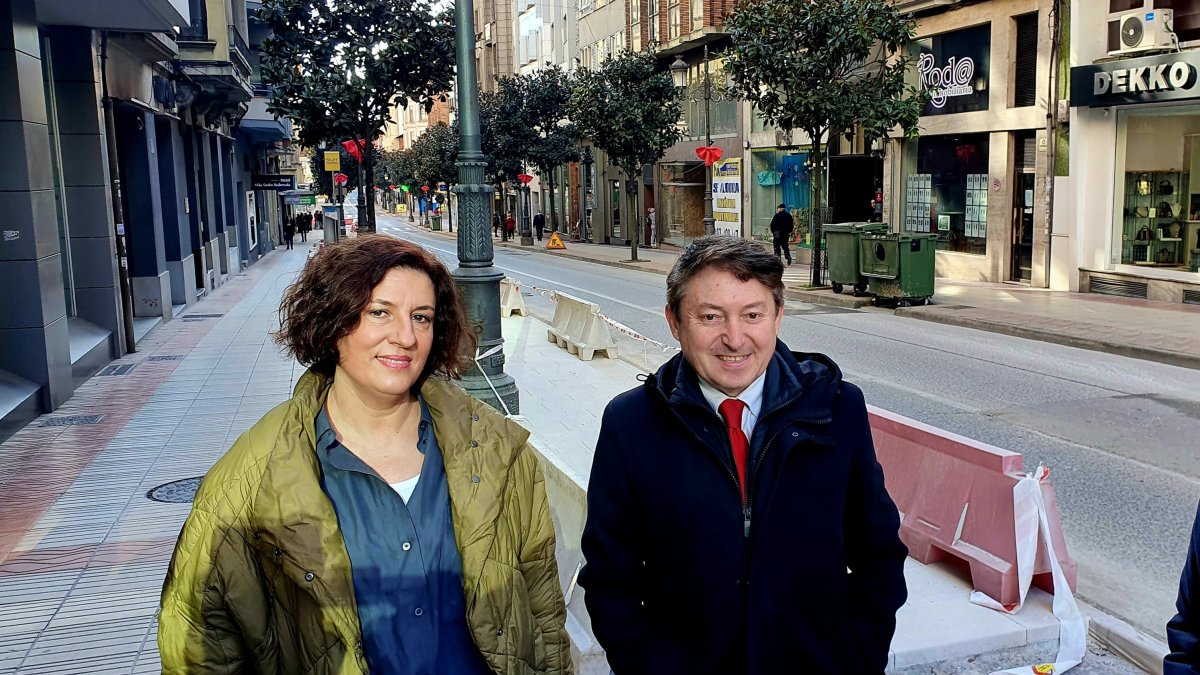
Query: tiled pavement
point(83, 550)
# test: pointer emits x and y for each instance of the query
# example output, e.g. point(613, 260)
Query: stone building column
point(34, 338)
point(172, 181)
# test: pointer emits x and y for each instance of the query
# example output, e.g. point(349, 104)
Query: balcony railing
point(238, 49)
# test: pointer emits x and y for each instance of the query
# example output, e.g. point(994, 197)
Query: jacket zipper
point(748, 499)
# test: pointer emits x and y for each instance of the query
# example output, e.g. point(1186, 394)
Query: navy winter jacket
point(1183, 631)
point(680, 578)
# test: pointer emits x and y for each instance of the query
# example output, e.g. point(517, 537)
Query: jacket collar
point(805, 383)
point(297, 521)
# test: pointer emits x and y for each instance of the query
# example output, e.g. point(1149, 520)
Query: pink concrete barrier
point(955, 497)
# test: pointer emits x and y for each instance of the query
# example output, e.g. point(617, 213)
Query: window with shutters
point(1025, 61)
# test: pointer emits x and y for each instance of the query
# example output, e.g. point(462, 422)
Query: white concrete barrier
point(579, 328)
point(511, 300)
point(567, 492)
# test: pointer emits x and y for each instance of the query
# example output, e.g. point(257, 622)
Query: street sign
point(274, 181)
point(555, 242)
point(333, 161)
point(300, 200)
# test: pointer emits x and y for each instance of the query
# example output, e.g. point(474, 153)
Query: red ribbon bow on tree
point(709, 153)
point(355, 148)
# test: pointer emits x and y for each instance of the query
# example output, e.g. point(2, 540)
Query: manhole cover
point(167, 357)
point(178, 492)
point(72, 420)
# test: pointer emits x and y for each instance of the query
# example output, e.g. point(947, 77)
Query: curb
point(1179, 359)
point(828, 298)
point(1129, 643)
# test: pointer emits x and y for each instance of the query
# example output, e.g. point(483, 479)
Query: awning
point(263, 131)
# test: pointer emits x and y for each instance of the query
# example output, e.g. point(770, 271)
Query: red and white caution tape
point(1033, 524)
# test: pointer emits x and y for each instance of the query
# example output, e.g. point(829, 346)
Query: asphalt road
point(1119, 434)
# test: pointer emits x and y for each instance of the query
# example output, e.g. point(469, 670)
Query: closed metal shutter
point(1026, 61)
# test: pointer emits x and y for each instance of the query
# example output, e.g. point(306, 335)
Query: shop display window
point(779, 177)
point(1157, 219)
point(948, 193)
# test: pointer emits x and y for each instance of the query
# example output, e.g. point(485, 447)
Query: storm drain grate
point(72, 420)
point(1191, 297)
point(123, 369)
point(202, 316)
point(167, 357)
point(1119, 287)
point(176, 492)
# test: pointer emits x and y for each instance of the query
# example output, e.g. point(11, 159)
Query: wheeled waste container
point(898, 266)
point(435, 223)
point(841, 244)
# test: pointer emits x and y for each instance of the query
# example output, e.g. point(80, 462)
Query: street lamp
point(476, 276)
point(679, 75)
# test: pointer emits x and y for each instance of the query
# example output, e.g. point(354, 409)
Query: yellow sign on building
point(333, 161)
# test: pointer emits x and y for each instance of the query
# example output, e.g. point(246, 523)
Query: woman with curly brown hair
point(379, 519)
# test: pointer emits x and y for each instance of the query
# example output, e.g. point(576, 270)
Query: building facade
point(1134, 202)
point(127, 192)
point(976, 175)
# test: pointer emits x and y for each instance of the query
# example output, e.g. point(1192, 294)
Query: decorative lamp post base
point(526, 240)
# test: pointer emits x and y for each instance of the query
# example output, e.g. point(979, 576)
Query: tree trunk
point(815, 181)
point(553, 211)
point(369, 164)
point(633, 227)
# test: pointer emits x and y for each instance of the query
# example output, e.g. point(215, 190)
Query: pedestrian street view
point(609, 336)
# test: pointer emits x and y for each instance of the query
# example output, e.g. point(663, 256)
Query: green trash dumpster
point(898, 266)
point(841, 244)
point(435, 223)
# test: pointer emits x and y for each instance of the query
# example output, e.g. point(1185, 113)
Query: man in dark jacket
point(539, 224)
point(782, 225)
point(1183, 631)
point(737, 517)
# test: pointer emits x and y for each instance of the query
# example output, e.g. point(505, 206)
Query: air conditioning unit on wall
point(1145, 31)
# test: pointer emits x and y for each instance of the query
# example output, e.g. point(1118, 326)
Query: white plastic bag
point(1032, 523)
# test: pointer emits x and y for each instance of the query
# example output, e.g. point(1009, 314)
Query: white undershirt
point(405, 488)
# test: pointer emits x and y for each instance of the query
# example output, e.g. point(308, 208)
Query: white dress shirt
point(752, 396)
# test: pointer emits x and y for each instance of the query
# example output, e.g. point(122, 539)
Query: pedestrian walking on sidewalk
point(782, 226)
point(289, 232)
point(304, 224)
point(539, 224)
point(1183, 631)
point(379, 519)
point(737, 518)
point(497, 223)
point(510, 227)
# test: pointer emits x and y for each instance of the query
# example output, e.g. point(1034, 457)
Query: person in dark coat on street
point(289, 232)
point(539, 224)
point(497, 223)
point(1183, 631)
point(782, 225)
point(737, 516)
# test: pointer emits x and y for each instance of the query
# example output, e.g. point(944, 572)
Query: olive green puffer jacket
point(260, 580)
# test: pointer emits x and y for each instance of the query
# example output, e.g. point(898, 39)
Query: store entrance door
point(1021, 228)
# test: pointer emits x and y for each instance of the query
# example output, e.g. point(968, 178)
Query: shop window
point(955, 69)
point(948, 193)
point(1025, 61)
point(1157, 220)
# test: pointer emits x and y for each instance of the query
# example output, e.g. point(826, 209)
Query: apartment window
point(637, 38)
point(198, 24)
point(635, 11)
point(673, 25)
point(1025, 61)
point(652, 21)
point(697, 14)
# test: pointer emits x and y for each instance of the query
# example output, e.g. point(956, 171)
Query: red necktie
point(731, 410)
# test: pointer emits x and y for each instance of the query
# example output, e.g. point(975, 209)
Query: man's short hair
point(742, 258)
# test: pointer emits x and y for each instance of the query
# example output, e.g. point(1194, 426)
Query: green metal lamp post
point(476, 276)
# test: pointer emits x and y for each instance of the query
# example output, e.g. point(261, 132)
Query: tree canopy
point(628, 108)
point(826, 68)
point(339, 67)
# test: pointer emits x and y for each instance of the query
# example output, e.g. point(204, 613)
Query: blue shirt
point(405, 564)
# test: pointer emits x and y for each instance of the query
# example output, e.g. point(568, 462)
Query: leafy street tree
point(631, 111)
point(547, 98)
point(433, 156)
point(503, 137)
point(339, 67)
point(824, 68)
